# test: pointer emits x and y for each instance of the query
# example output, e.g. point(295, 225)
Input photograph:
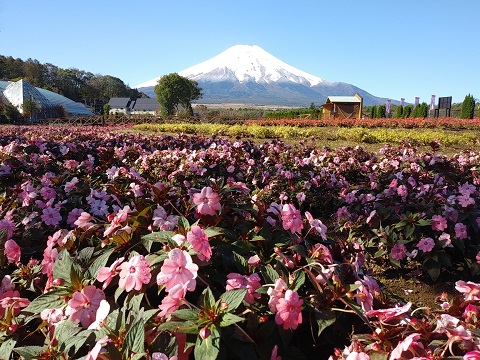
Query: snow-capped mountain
point(247, 74)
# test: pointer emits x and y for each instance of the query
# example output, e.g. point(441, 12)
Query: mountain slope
point(248, 74)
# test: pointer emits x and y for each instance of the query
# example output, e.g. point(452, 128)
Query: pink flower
point(464, 200)
point(49, 256)
point(83, 221)
point(134, 273)
point(12, 251)
point(274, 356)
point(164, 221)
point(291, 218)
point(276, 293)
point(439, 223)
point(97, 349)
point(426, 244)
point(396, 313)
point(470, 289)
point(472, 355)
point(178, 269)
point(82, 307)
point(289, 310)
point(172, 301)
point(11, 300)
point(73, 216)
point(399, 251)
point(106, 274)
point(478, 257)
point(354, 355)
point(408, 348)
point(207, 201)
point(316, 224)
point(101, 315)
point(162, 356)
point(251, 283)
point(461, 231)
point(199, 240)
point(51, 216)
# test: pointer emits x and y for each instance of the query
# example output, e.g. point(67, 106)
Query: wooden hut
point(343, 107)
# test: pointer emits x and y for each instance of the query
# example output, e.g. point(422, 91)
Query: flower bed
point(124, 246)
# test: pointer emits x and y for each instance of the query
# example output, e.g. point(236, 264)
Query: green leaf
point(99, 262)
point(183, 225)
point(229, 319)
point(433, 268)
point(233, 298)
point(269, 274)
point(159, 236)
point(324, 319)
point(299, 279)
point(51, 300)
point(85, 255)
point(214, 231)
point(240, 263)
point(62, 267)
point(135, 336)
point(186, 314)
point(208, 298)
point(29, 352)
point(207, 349)
point(6, 348)
point(378, 355)
point(66, 330)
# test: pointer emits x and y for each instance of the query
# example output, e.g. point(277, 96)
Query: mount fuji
point(247, 74)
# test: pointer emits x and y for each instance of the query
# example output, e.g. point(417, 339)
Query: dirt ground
point(412, 285)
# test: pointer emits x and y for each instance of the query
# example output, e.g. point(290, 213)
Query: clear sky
point(391, 49)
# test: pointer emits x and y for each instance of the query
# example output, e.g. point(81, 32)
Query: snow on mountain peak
point(245, 63)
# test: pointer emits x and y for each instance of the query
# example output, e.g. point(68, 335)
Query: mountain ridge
point(249, 74)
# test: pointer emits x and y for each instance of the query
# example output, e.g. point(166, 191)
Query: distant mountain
point(247, 74)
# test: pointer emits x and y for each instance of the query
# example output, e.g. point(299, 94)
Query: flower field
point(117, 245)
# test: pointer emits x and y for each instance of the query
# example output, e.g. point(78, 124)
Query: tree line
point(93, 90)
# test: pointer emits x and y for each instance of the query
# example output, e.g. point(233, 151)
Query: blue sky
point(391, 49)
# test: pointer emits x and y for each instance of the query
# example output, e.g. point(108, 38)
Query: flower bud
point(204, 333)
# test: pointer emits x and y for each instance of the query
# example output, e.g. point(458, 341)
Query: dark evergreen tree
point(373, 112)
point(398, 112)
point(407, 111)
point(381, 111)
point(468, 107)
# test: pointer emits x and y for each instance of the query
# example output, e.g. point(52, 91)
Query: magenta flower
point(439, 223)
point(12, 251)
point(207, 201)
point(134, 273)
point(199, 240)
point(470, 289)
point(178, 269)
point(51, 216)
point(251, 283)
point(73, 215)
point(426, 244)
point(478, 257)
point(289, 310)
point(291, 218)
point(106, 274)
point(316, 224)
point(461, 231)
point(82, 307)
point(12, 300)
point(399, 251)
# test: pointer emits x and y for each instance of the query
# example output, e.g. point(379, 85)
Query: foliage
point(373, 112)
point(420, 111)
point(407, 111)
point(173, 90)
point(106, 109)
point(468, 107)
point(380, 111)
point(29, 107)
point(11, 112)
point(398, 112)
point(124, 246)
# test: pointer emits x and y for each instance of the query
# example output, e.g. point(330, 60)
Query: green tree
point(173, 90)
point(11, 112)
point(106, 109)
point(407, 111)
point(381, 112)
point(398, 112)
point(373, 112)
point(468, 107)
point(29, 108)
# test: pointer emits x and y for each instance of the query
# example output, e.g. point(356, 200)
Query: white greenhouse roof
point(16, 92)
